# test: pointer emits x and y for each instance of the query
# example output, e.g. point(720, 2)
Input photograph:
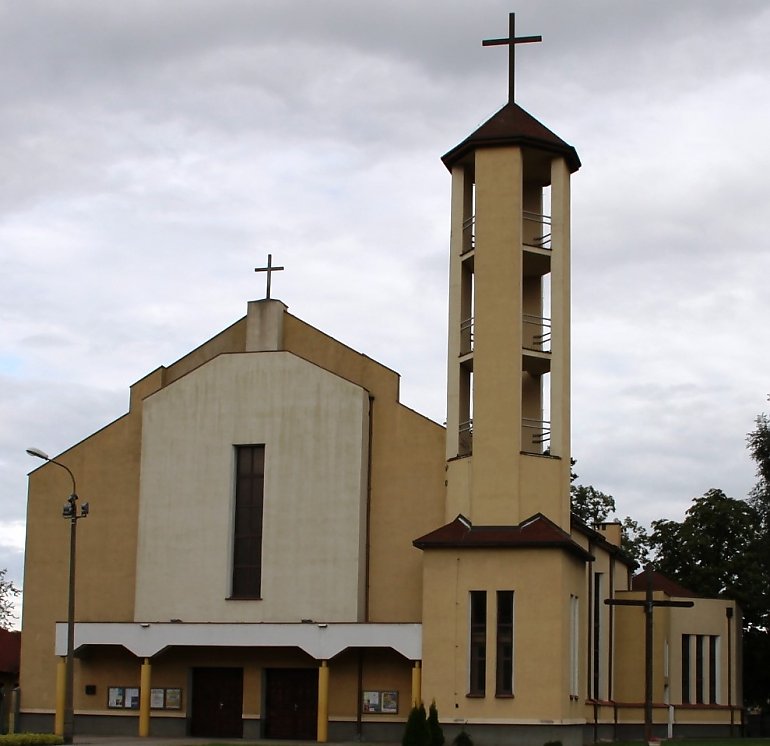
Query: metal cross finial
point(511, 41)
point(269, 269)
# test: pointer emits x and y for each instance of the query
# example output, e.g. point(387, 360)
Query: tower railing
point(466, 336)
point(466, 438)
point(537, 230)
point(535, 433)
point(469, 234)
point(537, 332)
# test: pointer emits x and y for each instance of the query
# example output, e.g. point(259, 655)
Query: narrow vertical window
point(247, 539)
point(713, 668)
point(597, 637)
point(574, 685)
point(699, 639)
point(478, 644)
point(504, 661)
point(685, 669)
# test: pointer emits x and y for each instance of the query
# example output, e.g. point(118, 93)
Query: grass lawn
point(666, 742)
point(698, 742)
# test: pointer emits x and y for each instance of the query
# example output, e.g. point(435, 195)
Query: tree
point(756, 641)
point(594, 507)
point(434, 728)
point(636, 541)
point(8, 593)
point(715, 552)
point(416, 732)
point(758, 443)
point(590, 505)
point(719, 551)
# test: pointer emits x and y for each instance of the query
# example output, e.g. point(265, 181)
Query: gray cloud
point(154, 152)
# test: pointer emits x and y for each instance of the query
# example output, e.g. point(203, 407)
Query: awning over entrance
point(321, 641)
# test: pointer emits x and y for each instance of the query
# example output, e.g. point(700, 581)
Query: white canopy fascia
point(319, 640)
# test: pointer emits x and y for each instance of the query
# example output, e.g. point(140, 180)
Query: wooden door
point(291, 703)
point(217, 702)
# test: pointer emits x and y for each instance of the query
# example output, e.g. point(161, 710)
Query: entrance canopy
point(320, 640)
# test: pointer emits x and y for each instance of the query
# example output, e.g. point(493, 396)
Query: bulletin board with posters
point(379, 701)
point(127, 698)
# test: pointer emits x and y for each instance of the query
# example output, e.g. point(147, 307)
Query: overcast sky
point(153, 152)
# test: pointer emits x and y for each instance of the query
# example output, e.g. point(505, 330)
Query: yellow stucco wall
point(497, 408)
point(106, 467)
point(706, 617)
point(542, 581)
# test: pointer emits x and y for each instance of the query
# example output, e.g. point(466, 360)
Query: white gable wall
point(315, 429)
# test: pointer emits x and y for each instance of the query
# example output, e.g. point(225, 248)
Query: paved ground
point(86, 740)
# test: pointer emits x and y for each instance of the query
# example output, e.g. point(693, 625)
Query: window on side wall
point(701, 672)
point(504, 658)
point(477, 667)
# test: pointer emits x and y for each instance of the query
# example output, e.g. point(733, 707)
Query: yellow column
point(323, 702)
point(416, 684)
point(61, 688)
point(144, 698)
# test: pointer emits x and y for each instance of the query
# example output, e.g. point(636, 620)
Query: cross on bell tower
point(511, 42)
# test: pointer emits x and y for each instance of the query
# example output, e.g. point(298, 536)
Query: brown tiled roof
point(513, 126)
point(10, 649)
point(660, 583)
point(537, 532)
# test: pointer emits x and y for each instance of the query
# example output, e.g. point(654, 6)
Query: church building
point(277, 548)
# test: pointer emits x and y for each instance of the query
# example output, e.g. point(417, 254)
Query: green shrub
point(463, 739)
point(435, 734)
point(416, 731)
point(30, 739)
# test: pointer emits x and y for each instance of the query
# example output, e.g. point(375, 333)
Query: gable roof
point(536, 532)
point(660, 583)
point(511, 125)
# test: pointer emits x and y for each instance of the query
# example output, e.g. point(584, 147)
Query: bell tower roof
point(511, 125)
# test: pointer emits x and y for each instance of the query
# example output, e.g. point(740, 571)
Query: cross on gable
point(511, 42)
point(269, 270)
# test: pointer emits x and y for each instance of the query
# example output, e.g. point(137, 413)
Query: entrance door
point(217, 702)
point(291, 706)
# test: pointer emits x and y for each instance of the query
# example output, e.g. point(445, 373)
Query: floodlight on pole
point(71, 513)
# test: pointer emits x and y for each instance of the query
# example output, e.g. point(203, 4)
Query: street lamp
point(70, 511)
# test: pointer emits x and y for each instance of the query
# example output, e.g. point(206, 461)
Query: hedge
point(30, 739)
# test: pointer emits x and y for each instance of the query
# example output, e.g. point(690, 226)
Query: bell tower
point(503, 577)
point(508, 394)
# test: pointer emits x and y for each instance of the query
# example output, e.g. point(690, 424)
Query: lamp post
point(70, 511)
